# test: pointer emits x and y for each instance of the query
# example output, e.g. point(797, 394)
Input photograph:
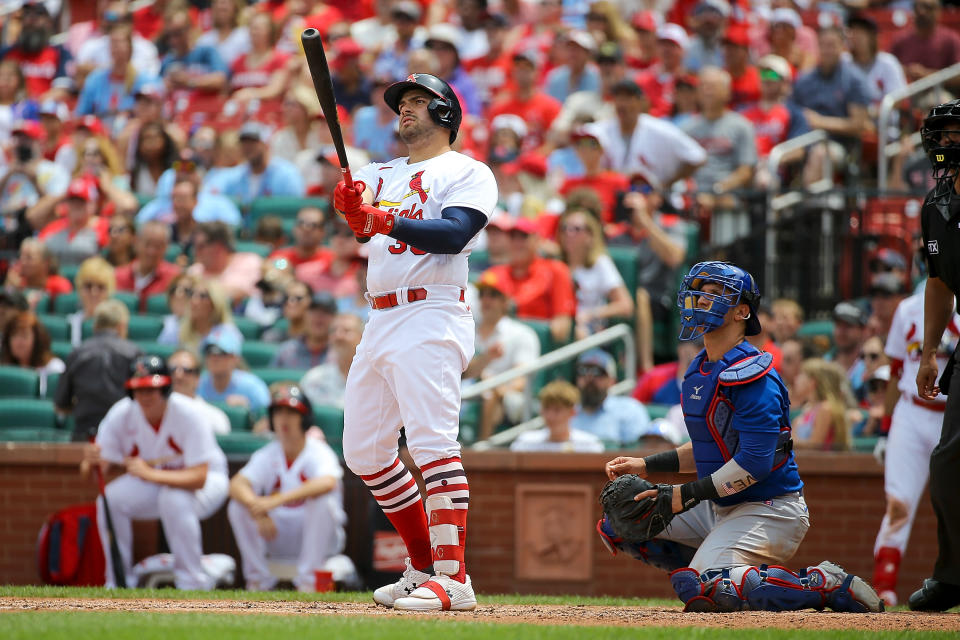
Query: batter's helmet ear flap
point(444, 108)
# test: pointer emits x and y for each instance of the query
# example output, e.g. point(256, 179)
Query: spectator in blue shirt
point(375, 126)
point(261, 175)
point(194, 68)
point(222, 381)
point(310, 349)
point(109, 91)
point(617, 420)
point(393, 59)
point(579, 74)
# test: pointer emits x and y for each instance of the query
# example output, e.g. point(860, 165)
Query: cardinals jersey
point(270, 472)
point(420, 191)
point(905, 341)
point(181, 440)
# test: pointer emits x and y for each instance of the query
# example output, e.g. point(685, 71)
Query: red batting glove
point(347, 200)
point(370, 221)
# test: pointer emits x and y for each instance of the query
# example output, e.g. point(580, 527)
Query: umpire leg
point(944, 480)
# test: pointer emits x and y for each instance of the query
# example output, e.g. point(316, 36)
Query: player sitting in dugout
point(725, 536)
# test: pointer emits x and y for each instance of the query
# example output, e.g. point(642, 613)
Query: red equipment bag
point(69, 550)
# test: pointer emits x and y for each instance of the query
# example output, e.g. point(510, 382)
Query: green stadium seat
point(61, 348)
point(53, 379)
point(241, 444)
point(17, 382)
point(258, 354)
point(158, 305)
point(813, 328)
point(69, 272)
point(57, 326)
point(478, 257)
point(542, 328)
point(86, 329)
point(240, 419)
point(65, 303)
point(626, 260)
point(281, 325)
point(173, 252)
point(865, 444)
point(156, 349)
point(43, 303)
point(284, 207)
point(330, 421)
point(34, 434)
point(128, 298)
point(143, 327)
point(657, 410)
point(27, 412)
point(270, 375)
point(249, 246)
point(248, 328)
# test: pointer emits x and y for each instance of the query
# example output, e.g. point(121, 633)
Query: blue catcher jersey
point(741, 393)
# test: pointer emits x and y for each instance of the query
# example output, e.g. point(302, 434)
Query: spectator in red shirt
point(262, 73)
point(541, 288)
point(339, 275)
point(928, 46)
point(308, 236)
point(149, 273)
point(53, 116)
point(491, 72)
point(745, 89)
point(770, 116)
point(657, 82)
point(536, 108)
point(607, 184)
point(36, 271)
point(644, 55)
point(40, 61)
point(661, 384)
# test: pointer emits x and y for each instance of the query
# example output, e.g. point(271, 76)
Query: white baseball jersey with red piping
point(181, 440)
point(417, 343)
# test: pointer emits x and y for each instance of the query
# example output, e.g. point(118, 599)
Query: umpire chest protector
point(709, 402)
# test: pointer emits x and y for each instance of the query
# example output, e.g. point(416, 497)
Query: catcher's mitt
point(637, 521)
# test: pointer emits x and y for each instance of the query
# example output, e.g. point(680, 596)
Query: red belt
point(926, 404)
point(389, 300)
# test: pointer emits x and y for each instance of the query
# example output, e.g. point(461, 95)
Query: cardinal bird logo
point(416, 186)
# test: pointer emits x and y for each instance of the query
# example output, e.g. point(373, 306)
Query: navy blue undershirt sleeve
point(449, 234)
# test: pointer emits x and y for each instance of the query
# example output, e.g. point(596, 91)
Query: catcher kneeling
point(725, 535)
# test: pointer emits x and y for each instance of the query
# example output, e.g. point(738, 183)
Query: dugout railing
point(620, 333)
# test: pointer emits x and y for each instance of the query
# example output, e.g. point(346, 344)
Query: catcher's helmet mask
point(942, 146)
point(292, 397)
point(738, 287)
point(149, 372)
point(444, 107)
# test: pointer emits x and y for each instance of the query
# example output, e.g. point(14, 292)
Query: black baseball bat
point(119, 575)
point(323, 85)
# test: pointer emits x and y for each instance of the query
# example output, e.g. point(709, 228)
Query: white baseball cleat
point(440, 593)
point(406, 585)
point(847, 592)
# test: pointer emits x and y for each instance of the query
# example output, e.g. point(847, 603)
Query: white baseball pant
point(309, 535)
point(179, 511)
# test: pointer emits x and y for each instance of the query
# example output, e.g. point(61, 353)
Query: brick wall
point(844, 492)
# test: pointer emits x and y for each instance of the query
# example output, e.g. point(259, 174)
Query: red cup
point(323, 581)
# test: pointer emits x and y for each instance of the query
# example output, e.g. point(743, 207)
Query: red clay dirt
point(517, 614)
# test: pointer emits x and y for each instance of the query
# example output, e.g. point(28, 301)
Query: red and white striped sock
point(448, 496)
point(397, 493)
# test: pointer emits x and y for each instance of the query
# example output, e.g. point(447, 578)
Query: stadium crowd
point(173, 156)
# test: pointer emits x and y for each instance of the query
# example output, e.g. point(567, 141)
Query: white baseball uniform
point(181, 440)
point(308, 532)
point(915, 424)
point(409, 362)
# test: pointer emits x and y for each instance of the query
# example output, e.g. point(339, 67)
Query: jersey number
point(400, 247)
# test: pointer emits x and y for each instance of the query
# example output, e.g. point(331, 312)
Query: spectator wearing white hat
point(659, 80)
point(579, 73)
point(443, 42)
point(790, 39)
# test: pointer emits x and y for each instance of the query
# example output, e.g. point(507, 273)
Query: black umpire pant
point(945, 486)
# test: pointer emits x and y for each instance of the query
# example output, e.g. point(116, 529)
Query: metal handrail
point(936, 79)
point(557, 356)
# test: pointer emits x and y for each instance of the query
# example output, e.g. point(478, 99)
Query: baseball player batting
point(189, 485)
point(914, 431)
point(423, 213)
point(731, 529)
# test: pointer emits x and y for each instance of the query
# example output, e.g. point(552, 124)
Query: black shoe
point(935, 596)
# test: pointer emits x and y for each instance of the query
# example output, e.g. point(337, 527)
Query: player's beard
point(414, 132)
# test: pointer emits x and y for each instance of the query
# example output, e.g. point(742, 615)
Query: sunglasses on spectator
point(306, 224)
point(186, 292)
point(872, 355)
point(115, 231)
point(296, 299)
point(203, 295)
point(184, 166)
point(190, 371)
point(591, 372)
point(90, 286)
point(575, 228)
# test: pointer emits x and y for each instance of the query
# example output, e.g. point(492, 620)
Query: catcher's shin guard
point(711, 591)
point(662, 554)
point(444, 535)
point(775, 588)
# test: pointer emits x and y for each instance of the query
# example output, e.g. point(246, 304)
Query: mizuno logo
point(696, 393)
